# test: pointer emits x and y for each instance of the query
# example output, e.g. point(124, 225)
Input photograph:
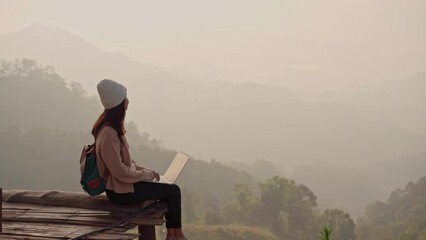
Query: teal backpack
point(91, 181)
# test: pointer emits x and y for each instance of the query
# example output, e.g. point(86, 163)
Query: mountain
point(73, 57)
point(44, 125)
point(393, 173)
point(227, 121)
point(305, 65)
point(353, 188)
point(399, 102)
point(28, 102)
point(402, 216)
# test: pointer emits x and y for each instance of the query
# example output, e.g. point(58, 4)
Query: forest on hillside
point(45, 121)
point(402, 216)
point(371, 138)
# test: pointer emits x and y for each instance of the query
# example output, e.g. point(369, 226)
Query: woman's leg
point(167, 192)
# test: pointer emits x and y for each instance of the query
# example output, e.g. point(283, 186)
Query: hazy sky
point(264, 41)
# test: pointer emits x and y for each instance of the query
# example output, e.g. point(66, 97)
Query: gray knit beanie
point(111, 93)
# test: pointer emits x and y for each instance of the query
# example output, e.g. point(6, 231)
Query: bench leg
point(1, 210)
point(146, 232)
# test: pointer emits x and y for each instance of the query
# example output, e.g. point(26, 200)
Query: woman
point(127, 182)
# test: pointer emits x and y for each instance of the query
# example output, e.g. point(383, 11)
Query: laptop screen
point(176, 167)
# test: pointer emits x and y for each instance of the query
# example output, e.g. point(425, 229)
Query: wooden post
point(146, 232)
point(1, 210)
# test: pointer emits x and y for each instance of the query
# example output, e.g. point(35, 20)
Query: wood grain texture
point(68, 199)
point(65, 215)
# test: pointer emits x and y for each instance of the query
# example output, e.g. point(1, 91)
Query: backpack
point(91, 181)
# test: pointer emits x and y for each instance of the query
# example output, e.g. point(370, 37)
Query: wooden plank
point(103, 236)
point(40, 230)
point(61, 215)
point(20, 237)
point(64, 227)
point(81, 211)
point(153, 216)
point(40, 207)
point(32, 212)
point(69, 199)
point(55, 231)
point(29, 215)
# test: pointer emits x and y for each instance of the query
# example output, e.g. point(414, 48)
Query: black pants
point(153, 190)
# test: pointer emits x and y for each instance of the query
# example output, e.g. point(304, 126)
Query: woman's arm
point(139, 167)
point(109, 148)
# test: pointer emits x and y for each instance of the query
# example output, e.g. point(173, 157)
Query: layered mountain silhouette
point(398, 101)
point(227, 121)
point(230, 122)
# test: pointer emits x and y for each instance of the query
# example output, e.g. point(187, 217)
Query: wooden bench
point(66, 215)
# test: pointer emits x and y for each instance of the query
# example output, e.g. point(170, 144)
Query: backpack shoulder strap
point(87, 149)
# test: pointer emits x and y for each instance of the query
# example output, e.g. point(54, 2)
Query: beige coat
point(115, 164)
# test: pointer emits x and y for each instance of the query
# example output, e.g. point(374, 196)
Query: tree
point(190, 203)
point(342, 224)
point(29, 68)
point(272, 202)
point(301, 220)
point(287, 208)
point(241, 210)
point(77, 89)
point(212, 217)
point(402, 216)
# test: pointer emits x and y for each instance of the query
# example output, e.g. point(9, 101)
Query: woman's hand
point(156, 176)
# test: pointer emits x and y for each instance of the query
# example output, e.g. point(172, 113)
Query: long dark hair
point(113, 117)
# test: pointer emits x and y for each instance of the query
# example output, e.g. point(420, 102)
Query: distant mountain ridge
point(72, 56)
point(399, 102)
point(229, 122)
point(44, 125)
point(28, 102)
point(225, 121)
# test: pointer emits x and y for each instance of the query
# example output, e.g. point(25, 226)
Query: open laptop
point(174, 169)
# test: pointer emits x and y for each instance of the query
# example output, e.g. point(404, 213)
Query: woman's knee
point(176, 190)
